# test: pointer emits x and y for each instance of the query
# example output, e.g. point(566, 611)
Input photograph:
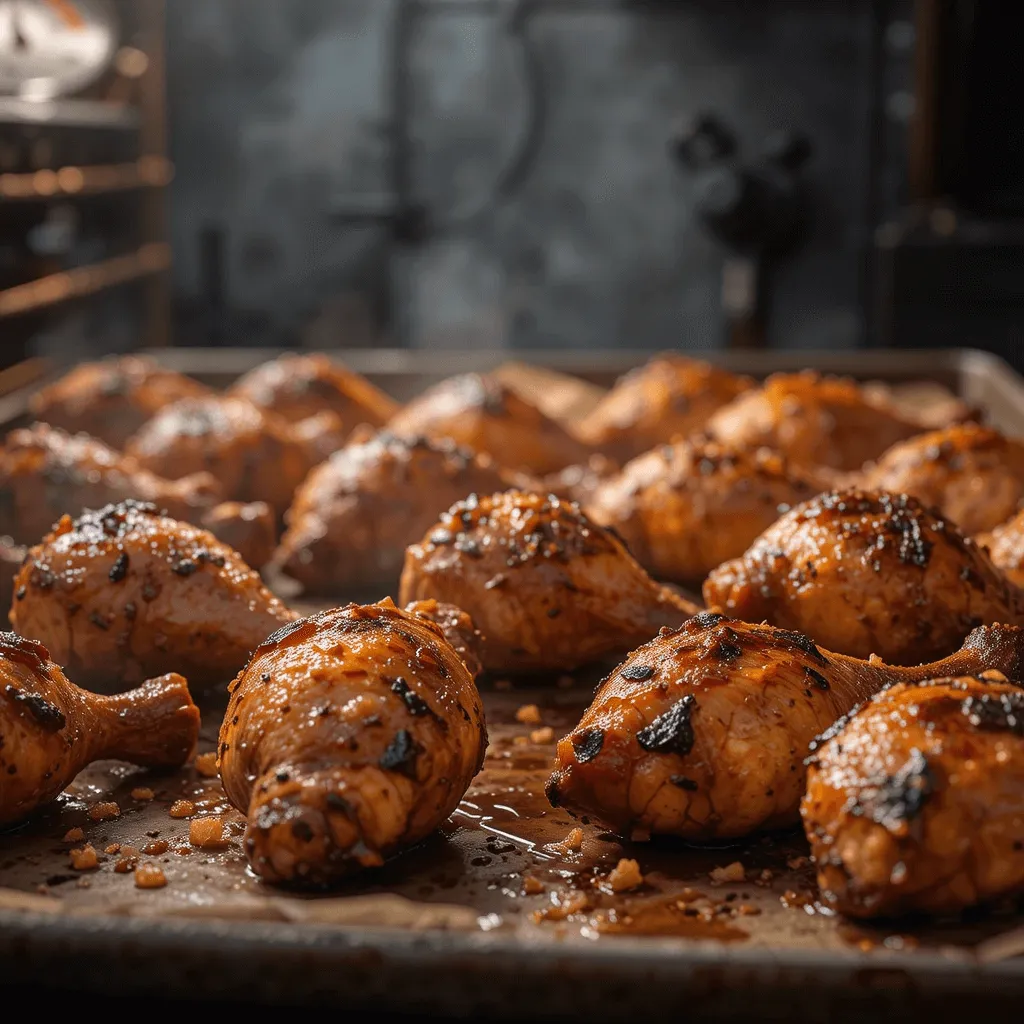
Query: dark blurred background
point(511, 174)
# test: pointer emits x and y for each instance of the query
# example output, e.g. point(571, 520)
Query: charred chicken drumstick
point(867, 573)
point(686, 507)
point(549, 588)
point(349, 736)
point(702, 732)
point(124, 593)
point(111, 399)
point(1005, 544)
point(355, 514)
point(917, 802)
point(50, 729)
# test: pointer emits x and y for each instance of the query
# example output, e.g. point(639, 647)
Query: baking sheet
point(496, 912)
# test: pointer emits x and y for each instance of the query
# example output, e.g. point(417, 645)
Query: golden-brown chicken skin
point(1005, 545)
point(702, 732)
point(813, 421)
point(112, 398)
point(548, 588)
point(492, 418)
point(668, 397)
point(253, 454)
point(916, 803)
point(350, 736)
point(356, 513)
point(50, 729)
point(867, 573)
point(686, 507)
point(973, 474)
point(300, 386)
point(124, 593)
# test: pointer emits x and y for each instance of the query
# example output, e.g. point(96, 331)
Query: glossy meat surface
point(669, 397)
point(50, 729)
point(1005, 545)
point(112, 398)
point(253, 454)
point(686, 507)
point(973, 474)
point(701, 733)
point(867, 573)
point(350, 736)
point(491, 418)
point(546, 587)
point(356, 513)
point(916, 804)
point(813, 421)
point(124, 593)
point(299, 386)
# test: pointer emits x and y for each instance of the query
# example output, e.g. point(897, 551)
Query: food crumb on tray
point(105, 810)
point(529, 714)
point(207, 833)
point(149, 876)
point(182, 809)
point(734, 872)
point(624, 876)
point(206, 765)
point(84, 858)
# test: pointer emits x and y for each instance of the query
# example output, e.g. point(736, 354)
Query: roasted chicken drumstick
point(50, 729)
point(354, 515)
point(1005, 544)
point(867, 573)
point(549, 589)
point(124, 593)
point(349, 736)
point(686, 507)
point(917, 802)
point(702, 732)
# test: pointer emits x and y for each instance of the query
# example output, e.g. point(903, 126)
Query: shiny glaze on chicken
point(50, 729)
point(355, 514)
point(867, 573)
point(1005, 545)
point(350, 736)
point(112, 398)
point(548, 588)
point(916, 803)
point(702, 732)
point(300, 386)
point(253, 454)
point(684, 508)
point(813, 421)
point(492, 418)
point(669, 397)
point(973, 474)
point(124, 593)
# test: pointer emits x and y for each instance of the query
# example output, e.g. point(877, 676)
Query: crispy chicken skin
point(355, 514)
point(112, 398)
point(492, 418)
point(50, 729)
point(686, 507)
point(300, 386)
point(668, 397)
point(255, 455)
point(867, 573)
point(813, 420)
point(548, 588)
point(350, 736)
point(125, 593)
point(973, 474)
point(916, 803)
point(1005, 544)
point(702, 732)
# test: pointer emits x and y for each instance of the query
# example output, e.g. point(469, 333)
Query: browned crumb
point(104, 811)
point(545, 735)
point(183, 851)
point(142, 793)
point(74, 835)
point(128, 860)
point(573, 841)
point(796, 863)
point(149, 876)
point(206, 833)
point(529, 714)
point(113, 848)
point(625, 876)
point(520, 741)
point(84, 858)
point(766, 875)
point(155, 847)
point(733, 872)
point(182, 809)
point(532, 886)
point(563, 905)
point(206, 765)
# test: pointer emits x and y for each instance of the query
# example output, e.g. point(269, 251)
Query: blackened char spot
point(302, 830)
point(817, 678)
point(587, 744)
point(683, 782)
point(119, 569)
point(705, 620)
point(898, 799)
point(638, 673)
point(727, 650)
point(551, 791)
point(48, 716)
point(415, 704)
point(400, 755)
point(803, 643)
point(1002, 711)
point(283, 633)
point(671, 732)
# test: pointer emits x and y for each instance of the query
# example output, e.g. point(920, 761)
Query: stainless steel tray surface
point(492, 914)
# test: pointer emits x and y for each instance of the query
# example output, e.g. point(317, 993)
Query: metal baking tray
point(447, 929)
